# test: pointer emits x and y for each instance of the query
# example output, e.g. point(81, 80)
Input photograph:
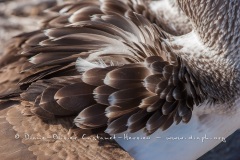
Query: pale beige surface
point(27, 134)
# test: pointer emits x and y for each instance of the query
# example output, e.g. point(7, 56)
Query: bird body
point(183, 141)
point(116, 66)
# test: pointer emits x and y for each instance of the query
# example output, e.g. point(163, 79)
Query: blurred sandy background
point(17, 16)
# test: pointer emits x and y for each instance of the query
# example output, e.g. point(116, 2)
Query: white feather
point(83, 65)
point(184, 141)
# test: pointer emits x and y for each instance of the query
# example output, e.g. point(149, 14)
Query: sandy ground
point(15, 19)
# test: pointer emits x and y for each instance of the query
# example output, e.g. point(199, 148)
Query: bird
point(161, 91)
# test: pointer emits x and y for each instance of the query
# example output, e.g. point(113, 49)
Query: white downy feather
point(184, 141)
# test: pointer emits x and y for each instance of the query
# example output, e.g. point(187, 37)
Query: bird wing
point(109, 71)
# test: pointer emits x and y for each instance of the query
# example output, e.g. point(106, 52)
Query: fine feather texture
point(131, 83)
point(103, 43)
point(113, 66)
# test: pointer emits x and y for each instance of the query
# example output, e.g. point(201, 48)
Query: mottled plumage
point(115, 66)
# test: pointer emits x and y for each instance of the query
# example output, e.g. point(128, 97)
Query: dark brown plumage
point(101, 66)
point(156, 83)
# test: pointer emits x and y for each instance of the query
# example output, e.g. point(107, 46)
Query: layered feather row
point(124, 78)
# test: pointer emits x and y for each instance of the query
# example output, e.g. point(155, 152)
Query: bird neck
point(216, 22)
point(219, 76)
